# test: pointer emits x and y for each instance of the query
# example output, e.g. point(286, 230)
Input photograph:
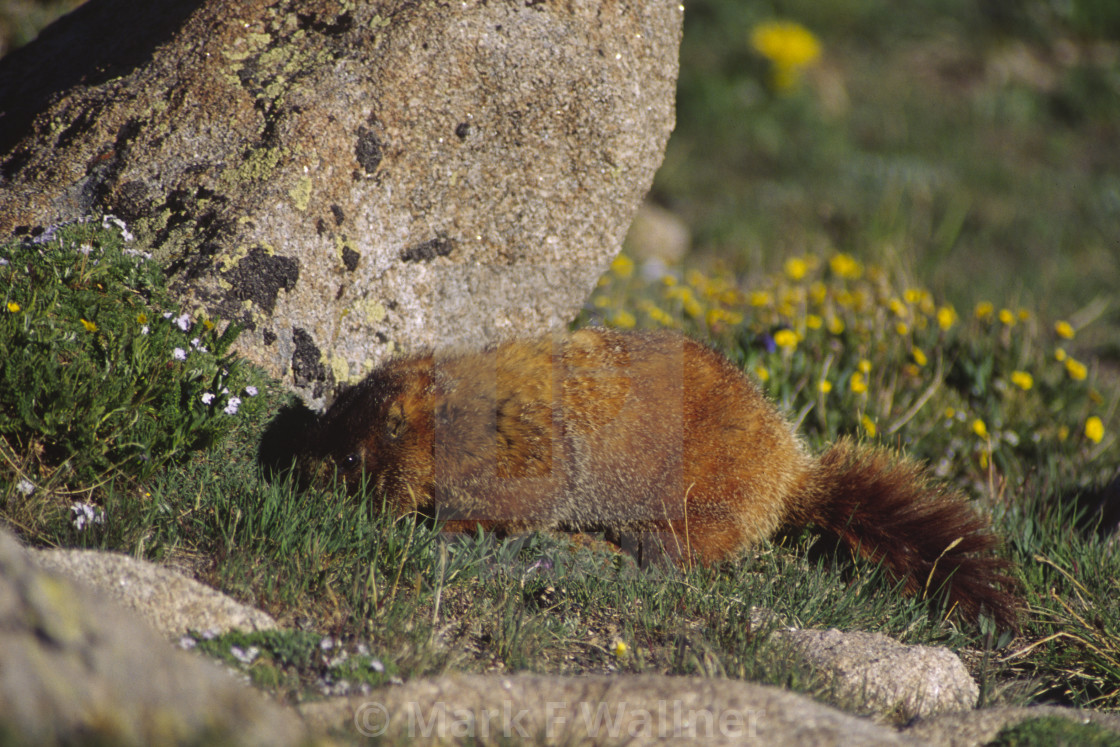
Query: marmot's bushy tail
point(883, 507)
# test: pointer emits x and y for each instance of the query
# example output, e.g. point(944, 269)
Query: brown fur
point(642, 434)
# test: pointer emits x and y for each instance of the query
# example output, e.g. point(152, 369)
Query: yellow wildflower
point(1065, 330)
point(679, 293)
point(692, 307)
point(1022, 379)
point(845, 266)
point(825, 386)
point(919, 356)
point(898, 308)
point(1006, 317)
point(1094, 429)
point(795, 268)
point(209, 325)
point(950, 413)
point(864, 366)
point(1060, 354)
point(902, 329)
point(835, 325)
point(620, 649)
point(946, 317)
point(622, 266)
point(868, 426)
point(668, 280)
point(789, 46)
point(141, 318)
point(980, 428)
point(624, 319)
point(1076, 369)
point(812, 321)
point(785, 338)
point(13, 306)
point(601, 302)
point(658, 315)
point(762, 374)
point(858, 384)
point(818, 292)
point(716, 316)
point(1024, 315)
point(760, 298)
point(1063, 432)
point(984, 311)
point(90, 326)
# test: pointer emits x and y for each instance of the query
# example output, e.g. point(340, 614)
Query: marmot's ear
point(395, 422)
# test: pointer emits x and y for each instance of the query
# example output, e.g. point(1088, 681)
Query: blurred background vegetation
point(974, 145)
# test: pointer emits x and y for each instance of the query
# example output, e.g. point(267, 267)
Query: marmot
point(647, 435)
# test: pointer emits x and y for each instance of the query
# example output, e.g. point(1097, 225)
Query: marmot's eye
point(350, 460)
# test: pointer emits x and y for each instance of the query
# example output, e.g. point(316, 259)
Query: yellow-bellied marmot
point(641, 434)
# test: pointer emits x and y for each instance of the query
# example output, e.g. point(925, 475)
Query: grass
point(815, 206)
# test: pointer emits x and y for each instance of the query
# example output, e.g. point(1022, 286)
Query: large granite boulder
point(349, 178)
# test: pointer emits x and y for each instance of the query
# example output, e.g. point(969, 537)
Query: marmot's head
point(377, 435)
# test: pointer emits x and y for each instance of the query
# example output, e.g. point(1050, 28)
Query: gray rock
point(168, 600)
point(75, 667)
point(870, 673)
point(636, 710)
point(349, 178)
point(976, 728)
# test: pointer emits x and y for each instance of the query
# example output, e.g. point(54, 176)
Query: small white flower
point(196, 342)
point(83, 514)
point(376, 665)
point(113, 220)
point(251, 390)
point(167, 315)
point(3, 262)
point(243, 655)
point(326, 644)
point(183, 322)
point(187, 642)
point(85, 249)
point(179, 354)
point(144, 330)
point(25, 486)
point(231, 407)
point(207, 398)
